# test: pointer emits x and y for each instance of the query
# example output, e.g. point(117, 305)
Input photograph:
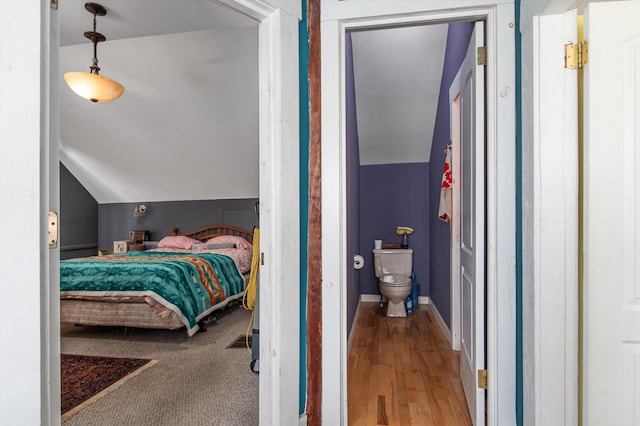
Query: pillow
point(240, 242)
point(178, 241)
point(220, 245)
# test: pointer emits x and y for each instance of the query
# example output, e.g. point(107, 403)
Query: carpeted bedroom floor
point(197, 381)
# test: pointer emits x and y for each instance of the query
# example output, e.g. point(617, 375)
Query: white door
point(611, 344)
point(472, 226)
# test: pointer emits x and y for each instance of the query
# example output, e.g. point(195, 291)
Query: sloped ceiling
point(186, 127)
point(397, 76)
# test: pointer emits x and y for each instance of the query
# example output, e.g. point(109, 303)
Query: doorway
point(404, 189)
point(500, 186)
point(279, 171)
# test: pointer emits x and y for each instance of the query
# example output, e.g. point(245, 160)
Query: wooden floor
point(402, 371)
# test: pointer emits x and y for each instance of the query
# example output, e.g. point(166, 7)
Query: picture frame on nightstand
point(139, 236)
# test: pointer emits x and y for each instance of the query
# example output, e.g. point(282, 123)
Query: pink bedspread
point(241, 257)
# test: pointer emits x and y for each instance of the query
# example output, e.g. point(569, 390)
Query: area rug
point(87, 378)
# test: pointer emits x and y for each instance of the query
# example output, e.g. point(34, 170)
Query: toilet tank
point(393, 261)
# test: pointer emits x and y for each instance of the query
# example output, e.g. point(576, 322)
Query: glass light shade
point(93, 87)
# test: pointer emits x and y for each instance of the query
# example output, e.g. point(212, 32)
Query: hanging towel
point(446, 206)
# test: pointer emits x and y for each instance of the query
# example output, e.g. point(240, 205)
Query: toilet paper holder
point(358, 261)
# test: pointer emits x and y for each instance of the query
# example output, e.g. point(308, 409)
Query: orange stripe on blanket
point(202, 266)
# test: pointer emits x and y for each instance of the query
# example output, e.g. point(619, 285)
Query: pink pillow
point(240, 242)
point(178, 241)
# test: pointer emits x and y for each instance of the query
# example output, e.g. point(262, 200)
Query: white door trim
point(30, 397)
point(279, 214)
point(550, 223)
point(500, 205)
point(27, 369)
point(454, 119)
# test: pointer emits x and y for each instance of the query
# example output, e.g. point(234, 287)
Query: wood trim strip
point(314, 272)
point(203, 234)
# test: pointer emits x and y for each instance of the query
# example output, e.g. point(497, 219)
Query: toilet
point(393, 268)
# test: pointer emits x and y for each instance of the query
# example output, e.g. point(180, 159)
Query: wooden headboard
point(203, 234)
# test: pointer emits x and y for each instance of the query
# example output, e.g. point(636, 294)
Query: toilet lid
point(396, 280)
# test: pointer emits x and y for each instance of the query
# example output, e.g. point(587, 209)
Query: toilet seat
point(395, 280)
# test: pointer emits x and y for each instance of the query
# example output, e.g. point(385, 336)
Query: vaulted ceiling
point(186, 127)
point(397, 75)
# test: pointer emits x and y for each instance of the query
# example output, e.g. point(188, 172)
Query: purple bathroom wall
point(353, 189)
point(458, 37)
point(394, 195)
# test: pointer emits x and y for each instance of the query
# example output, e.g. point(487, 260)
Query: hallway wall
point(353, 188)
point(78, 218)
point(457, 41)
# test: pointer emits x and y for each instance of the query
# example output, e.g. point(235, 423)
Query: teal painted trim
point(519, 367)
point(303, 52)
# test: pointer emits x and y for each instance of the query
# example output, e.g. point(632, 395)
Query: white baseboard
point(352, 332)
point(370, 297)
point(423, 300)
point(443, 325)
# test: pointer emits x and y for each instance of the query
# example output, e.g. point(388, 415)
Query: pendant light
point(91, 85)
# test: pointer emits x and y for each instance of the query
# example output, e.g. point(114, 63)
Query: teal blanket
point(191, 284)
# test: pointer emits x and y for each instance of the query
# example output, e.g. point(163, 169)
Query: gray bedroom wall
point(86, 226)
point(116, 220)
point(78, 218)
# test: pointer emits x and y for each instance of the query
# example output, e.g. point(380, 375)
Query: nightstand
point(120, 246)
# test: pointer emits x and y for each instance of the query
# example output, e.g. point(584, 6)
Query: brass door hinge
point(482, 379)
point(576, 55)
point(482, 55)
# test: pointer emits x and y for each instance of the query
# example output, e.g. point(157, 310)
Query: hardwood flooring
point(402, 371)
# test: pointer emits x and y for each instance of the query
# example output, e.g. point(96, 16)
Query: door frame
point(29, 89)
point(279, 211)
point(500, 194)
point(456, 301)
point(550, 229)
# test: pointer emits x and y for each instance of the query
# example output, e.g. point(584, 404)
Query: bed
point(178, 284)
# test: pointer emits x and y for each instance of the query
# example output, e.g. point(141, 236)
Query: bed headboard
point(203, 234)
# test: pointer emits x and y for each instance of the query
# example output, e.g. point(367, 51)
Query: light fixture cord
point(95, 69)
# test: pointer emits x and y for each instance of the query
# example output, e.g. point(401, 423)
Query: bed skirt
point(125, 314)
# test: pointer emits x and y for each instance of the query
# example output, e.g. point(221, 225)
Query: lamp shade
point(93, 87)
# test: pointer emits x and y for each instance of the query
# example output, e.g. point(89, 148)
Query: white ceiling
point(187, 123)
point(397, 80)
point(186, 127)
point(144, 18)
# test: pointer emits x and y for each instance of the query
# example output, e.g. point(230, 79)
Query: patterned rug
point(87, 378)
